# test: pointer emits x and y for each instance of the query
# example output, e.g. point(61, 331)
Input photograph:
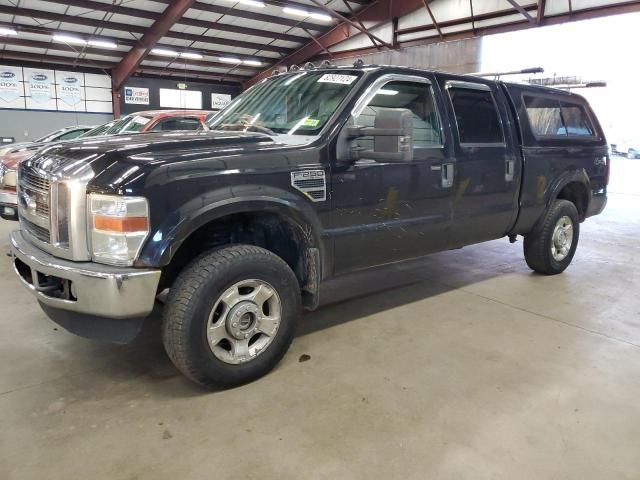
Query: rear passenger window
point(551, 118)
point(476, 115)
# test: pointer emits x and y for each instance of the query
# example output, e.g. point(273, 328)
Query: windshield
point(129, 124)
point(96, 132)
point(51, 136)
point(298, 103)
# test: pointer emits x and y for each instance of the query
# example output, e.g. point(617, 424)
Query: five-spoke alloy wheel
point(230, 315)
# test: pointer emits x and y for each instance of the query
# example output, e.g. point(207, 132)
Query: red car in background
point(134, 123)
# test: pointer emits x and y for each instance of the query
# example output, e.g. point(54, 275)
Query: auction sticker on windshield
point(337, 78)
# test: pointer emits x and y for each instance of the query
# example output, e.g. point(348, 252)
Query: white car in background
point(627, 149)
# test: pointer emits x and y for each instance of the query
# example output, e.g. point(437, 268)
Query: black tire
point(195, 293)
point(538, 242)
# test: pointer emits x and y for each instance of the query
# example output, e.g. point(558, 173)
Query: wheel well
point(275, 232)
point(577, 194)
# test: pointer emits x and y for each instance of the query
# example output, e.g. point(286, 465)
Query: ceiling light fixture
point(298, 12)
point(103, 44)
point(61, 37)
point(255, 63)
point(229, 59)
point(253, 3)
point(164, 52)
point(192, 55)
point(7, 31)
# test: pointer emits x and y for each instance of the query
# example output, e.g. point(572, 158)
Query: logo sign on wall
point(40, 86)
point(71, 89)
point(137, 96)
point(220, 100)
point(9, 85)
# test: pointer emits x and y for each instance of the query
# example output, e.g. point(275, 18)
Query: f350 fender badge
point(312, 183)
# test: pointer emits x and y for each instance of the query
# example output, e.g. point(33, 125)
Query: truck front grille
point(37, 231)
point(34, 194)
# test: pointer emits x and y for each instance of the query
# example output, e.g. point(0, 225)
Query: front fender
point(167, 237)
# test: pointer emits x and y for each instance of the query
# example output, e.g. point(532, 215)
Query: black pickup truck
point(307, 175)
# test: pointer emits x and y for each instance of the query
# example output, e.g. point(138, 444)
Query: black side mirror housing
point(392, 136)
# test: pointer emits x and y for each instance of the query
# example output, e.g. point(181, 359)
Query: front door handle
point(509, 170)
point(447, 175)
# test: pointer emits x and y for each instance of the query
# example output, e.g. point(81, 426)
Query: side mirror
point(392, 136)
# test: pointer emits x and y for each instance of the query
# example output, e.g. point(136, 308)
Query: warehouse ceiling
point(241, 41)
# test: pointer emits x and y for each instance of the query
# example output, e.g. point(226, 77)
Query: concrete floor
point(461, 365)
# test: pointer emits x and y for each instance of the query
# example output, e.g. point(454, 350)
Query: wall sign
point(41, 89)
point(136, 95)
point(40, 82)
point(220, 100)
point(71, 88)
point(10, 85)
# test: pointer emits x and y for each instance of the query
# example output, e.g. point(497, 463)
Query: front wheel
point(230, 315)
point(550, 246)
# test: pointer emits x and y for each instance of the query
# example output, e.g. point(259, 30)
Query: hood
point(111, 156)
point(5, 149)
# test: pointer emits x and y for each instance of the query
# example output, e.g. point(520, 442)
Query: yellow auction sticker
point(311, 122)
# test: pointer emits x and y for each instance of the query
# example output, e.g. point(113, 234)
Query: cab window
point(549, 118)
point(177, 123)
point(414, 96)
point(476, 115)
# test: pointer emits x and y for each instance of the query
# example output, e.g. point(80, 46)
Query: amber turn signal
point(121, 224)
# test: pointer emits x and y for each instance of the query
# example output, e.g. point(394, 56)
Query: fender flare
point(165, 240)
point(571, 176)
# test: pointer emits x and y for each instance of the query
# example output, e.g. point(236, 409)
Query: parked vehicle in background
point(307, 175)
point(627, 149)
point(66, 133)
point(140, 122)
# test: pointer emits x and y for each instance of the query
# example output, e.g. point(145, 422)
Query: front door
point(385, 211)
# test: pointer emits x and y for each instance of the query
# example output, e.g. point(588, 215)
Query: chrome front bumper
point(90, 288)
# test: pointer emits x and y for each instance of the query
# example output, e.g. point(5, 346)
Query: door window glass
point(414, 96)
point(476, 115)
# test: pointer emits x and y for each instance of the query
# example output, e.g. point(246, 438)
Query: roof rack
point(497, 75)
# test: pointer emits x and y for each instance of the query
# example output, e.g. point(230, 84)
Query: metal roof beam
point(433, 18)
point(260, 17)
point(139, 13)
point(130, 62)
point(520, 9)
point(37, 30)
point(123, 27)
point(375, 14)
point(54, 59)
point(542, 4)
point(357, 25)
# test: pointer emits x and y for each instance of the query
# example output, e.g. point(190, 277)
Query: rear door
point(487, 160)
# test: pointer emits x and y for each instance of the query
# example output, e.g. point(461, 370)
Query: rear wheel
point(550, 246)
point(230, 316)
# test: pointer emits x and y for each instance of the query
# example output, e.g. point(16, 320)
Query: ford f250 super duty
point(307, 175)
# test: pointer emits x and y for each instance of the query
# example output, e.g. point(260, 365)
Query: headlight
point(119, 227)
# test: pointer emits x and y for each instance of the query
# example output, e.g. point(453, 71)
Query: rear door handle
point(509, 170)
point(447, 175)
